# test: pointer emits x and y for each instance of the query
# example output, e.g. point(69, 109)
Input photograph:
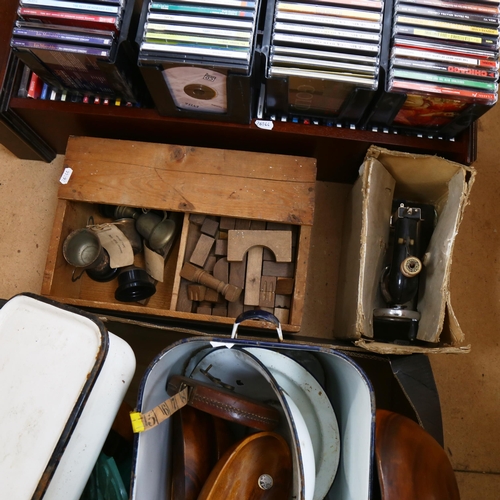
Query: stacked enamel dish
point(308, 421)
point(283, 421)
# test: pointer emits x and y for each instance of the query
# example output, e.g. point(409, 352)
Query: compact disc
point(197, 89)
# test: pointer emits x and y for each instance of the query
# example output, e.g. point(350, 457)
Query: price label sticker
point(264, 124)
point(66, 175)
point(144, 421)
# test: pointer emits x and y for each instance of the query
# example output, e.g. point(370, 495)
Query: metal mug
point(127, 212)
point(118, 211)
point(146, 223)
point(162, 235)
point(82, 249)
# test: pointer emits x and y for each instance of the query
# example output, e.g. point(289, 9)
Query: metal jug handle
point(75, 278)
point(257, 314)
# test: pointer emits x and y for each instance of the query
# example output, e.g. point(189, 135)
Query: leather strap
point(226, 404)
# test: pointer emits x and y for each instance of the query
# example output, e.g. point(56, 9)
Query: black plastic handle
point(260, 315)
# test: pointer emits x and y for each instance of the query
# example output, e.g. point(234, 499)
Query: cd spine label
point(449, 91)
point(448, 58)
point(435, 78)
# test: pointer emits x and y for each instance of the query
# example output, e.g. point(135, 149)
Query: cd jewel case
point(439, 66)
point(322, 59)
point(199, 59)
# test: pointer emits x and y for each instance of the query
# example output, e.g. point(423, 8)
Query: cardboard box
point(219, 183)
point(385, 175)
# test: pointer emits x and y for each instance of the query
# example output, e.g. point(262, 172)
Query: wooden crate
point(221, 183)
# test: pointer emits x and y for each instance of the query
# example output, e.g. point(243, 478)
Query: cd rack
point(321, 60)
point(201, 61)
point(433, 83)
point(111, 73)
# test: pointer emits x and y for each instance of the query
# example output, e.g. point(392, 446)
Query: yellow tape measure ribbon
point(144, 421)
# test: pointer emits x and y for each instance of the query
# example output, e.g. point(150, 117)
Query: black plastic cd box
point(275, 90)
point(241, 87)
point(387, 104)
point(120, 69)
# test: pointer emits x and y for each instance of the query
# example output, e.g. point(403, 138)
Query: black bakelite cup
point(104, 272)
point(134, 284)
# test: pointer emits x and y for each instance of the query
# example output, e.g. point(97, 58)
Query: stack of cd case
point(321, 59)
point(440, 68)
point(198, 57)
point(79, 46)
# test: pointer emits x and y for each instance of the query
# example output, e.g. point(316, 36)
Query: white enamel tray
point(63, 377)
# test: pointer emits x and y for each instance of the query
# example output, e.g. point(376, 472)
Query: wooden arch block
point(240, 241)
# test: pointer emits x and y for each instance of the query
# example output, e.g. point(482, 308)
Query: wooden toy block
point(193, 236)
point(282, 269)
point(237, 272)
point(253, 274)
point(227, 223)
point(280, 242)
point(204, 308)
point(202, 249)
point(220, 247)
point(209, 227)
point(196, 292)
point(282, 314)
point(197, 219)
point(220, 310)
point(278, 226)
point(221, 270)
point(284, 286)
point(282, 301)
point(258, 225)
point(268, 254)
point(193, 273)
point(212, 296)
point(234, 309)
point(242, 224)
point(267, 291)
point(184, 303)
point(210, 263)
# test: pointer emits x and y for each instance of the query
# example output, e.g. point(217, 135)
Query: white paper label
point(264, 124)
point(66, 175)
point(155, 264)
point(221, 344)
point(116, 244)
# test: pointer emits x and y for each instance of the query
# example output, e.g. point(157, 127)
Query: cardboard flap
point(378, 187)
point(349, 266)
point(456, 333)
point(384, 348)
point(420, 178)
point(437, 262)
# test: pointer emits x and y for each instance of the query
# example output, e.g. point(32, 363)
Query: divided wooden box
point(213, 182)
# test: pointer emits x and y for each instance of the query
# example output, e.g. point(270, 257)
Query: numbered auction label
point(264, 124)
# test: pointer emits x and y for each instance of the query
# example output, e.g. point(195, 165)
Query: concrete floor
point(469, 385)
